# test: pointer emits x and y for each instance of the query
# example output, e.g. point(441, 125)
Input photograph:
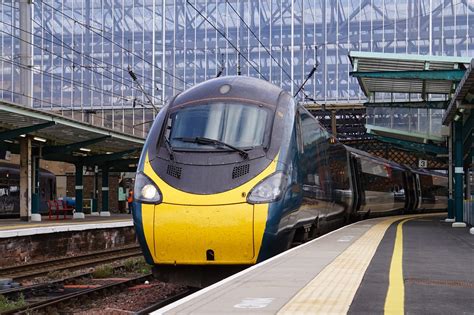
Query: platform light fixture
point(39, 139)
point(85, 150)
point(23, 136)
point(8, 141)
point(457, 117)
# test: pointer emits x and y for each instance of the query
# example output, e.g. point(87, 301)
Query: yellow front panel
point(183, 234)
point(148, 214)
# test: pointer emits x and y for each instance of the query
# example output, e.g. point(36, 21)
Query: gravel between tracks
point(131, 299)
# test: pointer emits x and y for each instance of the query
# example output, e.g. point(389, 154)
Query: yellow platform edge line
point(59, 223)
point(334, 288)
point(395, 299)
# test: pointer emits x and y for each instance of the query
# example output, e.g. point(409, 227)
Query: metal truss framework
point(81, 53)
point(390, 152)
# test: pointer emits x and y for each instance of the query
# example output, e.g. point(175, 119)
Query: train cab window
point(310, 130)
point(314, 158)
point(240, 125)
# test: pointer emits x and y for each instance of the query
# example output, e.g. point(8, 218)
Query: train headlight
point(268, 190)
point(145, 190)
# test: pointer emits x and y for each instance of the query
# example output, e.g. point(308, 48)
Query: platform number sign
point(422, 163)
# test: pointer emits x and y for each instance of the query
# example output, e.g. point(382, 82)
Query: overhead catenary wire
point(59, 107)
point(115, 43)
point(134, 77)
point(95, 60)
point(261, 43)
point(72, 81)
point(328, 43)
point(61, 56)
point(228, 40)
point(59, 77)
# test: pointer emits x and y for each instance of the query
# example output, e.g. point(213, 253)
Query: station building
point(114, 64)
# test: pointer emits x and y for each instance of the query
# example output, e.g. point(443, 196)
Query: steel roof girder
point(67, 148)
point(102, 158)
point(13, 133)
point(410, 104)
point(447, 75)
point(414, 146)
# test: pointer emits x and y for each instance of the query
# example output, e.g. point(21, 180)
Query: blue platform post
point(35, 197)
point(450, 175)
point(105, 191)
point(79, 214)
point(458, 175)
point(95, 195)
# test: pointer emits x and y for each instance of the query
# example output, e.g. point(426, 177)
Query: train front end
point(208, 172)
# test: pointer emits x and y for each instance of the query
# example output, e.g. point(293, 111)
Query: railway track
point(166, 301)
point(22, 272)
point(57, 301)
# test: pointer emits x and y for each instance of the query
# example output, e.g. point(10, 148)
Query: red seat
point(58, 206)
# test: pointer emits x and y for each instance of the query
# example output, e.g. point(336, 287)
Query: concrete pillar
point(79, 214)
point(458, 175)
point(25, 178)
point(105, 191)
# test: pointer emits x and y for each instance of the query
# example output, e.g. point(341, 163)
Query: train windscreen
point(239, 125)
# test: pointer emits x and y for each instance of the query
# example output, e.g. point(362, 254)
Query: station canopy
point(403, 73)
point(64, 139)
point(463, 97)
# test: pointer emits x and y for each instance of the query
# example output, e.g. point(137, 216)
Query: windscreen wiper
point(169, 148)
point(204, 140)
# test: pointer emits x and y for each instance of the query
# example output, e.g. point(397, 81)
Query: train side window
point(310, 130)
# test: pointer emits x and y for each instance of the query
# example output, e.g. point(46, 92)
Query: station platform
point(413, 264)
point(29, 242)
point(15, 227)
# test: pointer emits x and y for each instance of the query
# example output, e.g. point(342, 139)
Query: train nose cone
point(204, 234)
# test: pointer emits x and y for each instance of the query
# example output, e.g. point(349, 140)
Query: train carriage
point(10, 190)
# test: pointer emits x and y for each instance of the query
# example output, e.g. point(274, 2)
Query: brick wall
point(88, 183)
point(41, 247)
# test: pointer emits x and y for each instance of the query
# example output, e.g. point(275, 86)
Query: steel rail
point(21, 272)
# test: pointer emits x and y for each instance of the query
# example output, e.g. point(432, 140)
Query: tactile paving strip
point(333, 289)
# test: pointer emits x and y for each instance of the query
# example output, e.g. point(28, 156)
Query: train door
point(316, 182)
point(409, 192)
point(419, 195)
point(358, 192)
point(339, 172)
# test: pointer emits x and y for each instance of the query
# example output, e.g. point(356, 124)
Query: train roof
point(230, 87)
point(4, 166)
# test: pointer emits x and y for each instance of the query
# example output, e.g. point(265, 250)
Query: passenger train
point(10, 190)
point(233, 172)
